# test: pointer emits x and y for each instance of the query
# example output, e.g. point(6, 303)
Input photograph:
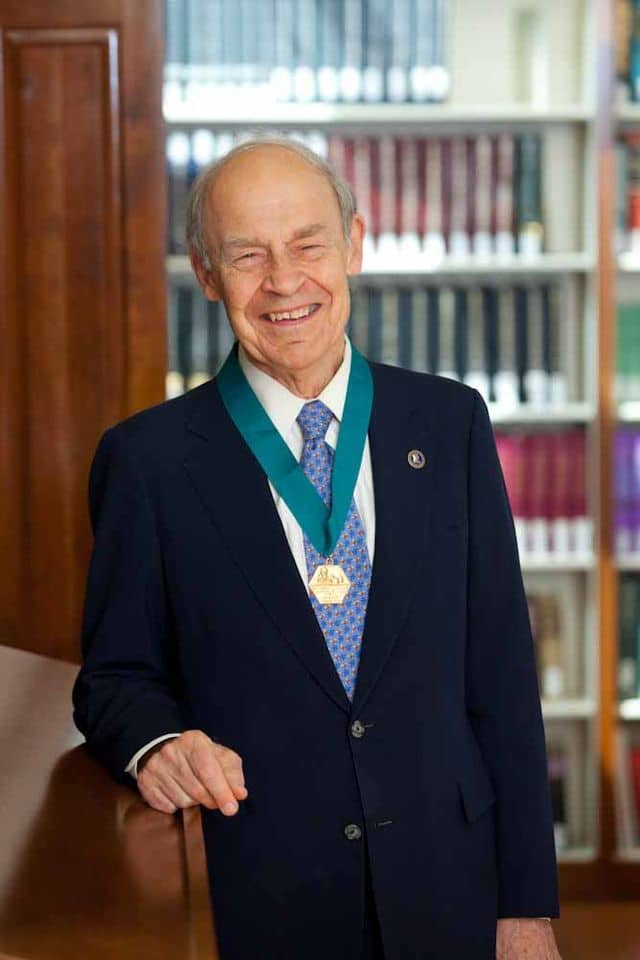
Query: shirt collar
point(281, 405)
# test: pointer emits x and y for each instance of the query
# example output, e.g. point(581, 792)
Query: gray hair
point(195, 227)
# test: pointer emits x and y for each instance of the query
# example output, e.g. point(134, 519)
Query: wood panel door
point(82, 288)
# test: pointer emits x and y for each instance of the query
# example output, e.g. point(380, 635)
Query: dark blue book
point(374, 350)
point(405, 328)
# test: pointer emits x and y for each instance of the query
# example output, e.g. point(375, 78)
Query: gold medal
point(329, 583)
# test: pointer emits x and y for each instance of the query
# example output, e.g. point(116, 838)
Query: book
point(529, 194)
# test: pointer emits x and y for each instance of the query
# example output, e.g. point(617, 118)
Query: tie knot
point(314, 418)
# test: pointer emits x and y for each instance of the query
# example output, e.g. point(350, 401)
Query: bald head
point(273, 157)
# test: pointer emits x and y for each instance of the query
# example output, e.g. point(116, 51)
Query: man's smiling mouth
point(298, 313)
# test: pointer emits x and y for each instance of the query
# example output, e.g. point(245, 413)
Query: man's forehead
point(233, 239)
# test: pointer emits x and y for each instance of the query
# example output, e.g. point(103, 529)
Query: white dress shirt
point(283, 408)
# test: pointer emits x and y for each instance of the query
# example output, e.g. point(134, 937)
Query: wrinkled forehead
point(258, 193)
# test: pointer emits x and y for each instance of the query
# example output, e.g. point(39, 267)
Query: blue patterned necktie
point(341, 623)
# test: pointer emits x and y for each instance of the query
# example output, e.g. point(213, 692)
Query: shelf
point(568, 564)
point(629, 262)
point(629, 709)
point(546, 264)
point(576, 855)
point(632, 855)
point(567, 413)
point(570, 709)
point(627, 561)
point(252, 110)
point(629, 411)
point(627, 114)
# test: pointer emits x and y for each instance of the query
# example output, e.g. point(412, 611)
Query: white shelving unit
point(551, 89)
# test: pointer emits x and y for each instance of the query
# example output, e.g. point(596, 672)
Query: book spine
point(505, 381)
point(331, 32)
point(422, 52)
point(387, 240)
point(434, 247)
point(374, 50)
point(628, 631)
point(399, 51)
point(505, 191)
point(374, 351)
point(351, 72)
point(407, 190)
point(482, 238)
point(305, 71)
point(459, 240)
point(529, 195)
point(439, 78)
point(634, 52)
point(282, 75)
point(447, 334)
point(390, 347)
point(406, 353)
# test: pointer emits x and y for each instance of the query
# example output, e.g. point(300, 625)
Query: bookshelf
point(544, 71)
point(625, 309)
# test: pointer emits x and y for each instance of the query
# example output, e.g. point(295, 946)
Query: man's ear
point(354, 250)
point(206, 276)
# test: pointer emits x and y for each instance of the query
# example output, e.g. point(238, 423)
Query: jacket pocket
point(476, 790)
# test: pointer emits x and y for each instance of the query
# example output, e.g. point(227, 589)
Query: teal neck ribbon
point(323, 527)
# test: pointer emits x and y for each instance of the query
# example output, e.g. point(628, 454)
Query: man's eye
point(311, 246)
point(246, 256)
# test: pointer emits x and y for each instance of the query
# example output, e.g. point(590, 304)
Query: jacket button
point(352, 831)
point(357, 729)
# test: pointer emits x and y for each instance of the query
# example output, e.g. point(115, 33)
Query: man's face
point(276, 243)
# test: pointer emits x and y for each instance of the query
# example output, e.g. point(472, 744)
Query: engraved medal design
point(329, 583)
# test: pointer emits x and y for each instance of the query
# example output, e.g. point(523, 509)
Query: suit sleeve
point(503, 700)
point(125, 694)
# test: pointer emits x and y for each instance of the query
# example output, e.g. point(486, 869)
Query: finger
point(192, 785)
point(161, 773)
point(206, 767)
point(157, 799)
point(232, 765)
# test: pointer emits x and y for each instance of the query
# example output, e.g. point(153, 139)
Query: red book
point(511, 454)
point(537, 460)
point(634, 759)
point(560, 493)
point(421, 199)
point(577, 482)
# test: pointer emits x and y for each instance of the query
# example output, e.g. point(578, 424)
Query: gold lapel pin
point(416, 459)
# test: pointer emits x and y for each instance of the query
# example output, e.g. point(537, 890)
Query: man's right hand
point(189, 770)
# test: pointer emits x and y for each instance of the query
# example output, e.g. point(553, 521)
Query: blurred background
point(494, 150)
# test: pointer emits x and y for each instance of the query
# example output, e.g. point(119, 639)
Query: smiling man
point(305, 612)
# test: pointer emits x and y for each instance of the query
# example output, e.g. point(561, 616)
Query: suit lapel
point(236, 494)
point(225, 475)
point(403, 497)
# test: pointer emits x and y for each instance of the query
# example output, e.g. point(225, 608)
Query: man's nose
point(282, 276)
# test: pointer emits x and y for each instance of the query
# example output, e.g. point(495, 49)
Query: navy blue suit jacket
point(196, 617)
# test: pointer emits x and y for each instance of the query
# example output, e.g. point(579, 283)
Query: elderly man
point(305, 612)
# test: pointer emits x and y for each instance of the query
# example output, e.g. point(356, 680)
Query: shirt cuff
point(132, 766)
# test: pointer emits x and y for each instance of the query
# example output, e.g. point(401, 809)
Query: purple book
point(624, 525)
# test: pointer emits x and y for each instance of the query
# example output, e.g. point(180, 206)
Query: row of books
point(627, 794)
point(305, 50)
point(422, 198)
point(558, 769)
point(545, 475)
point(627, 371)
point(548, 627)
point(628, 636)
point(627, 194)
point(502, 340)
point(627, 49)
point(626, 472)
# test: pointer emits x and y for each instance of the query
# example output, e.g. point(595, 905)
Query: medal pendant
point(329, 583)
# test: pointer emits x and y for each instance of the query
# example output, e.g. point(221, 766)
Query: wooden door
point(82, 290)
